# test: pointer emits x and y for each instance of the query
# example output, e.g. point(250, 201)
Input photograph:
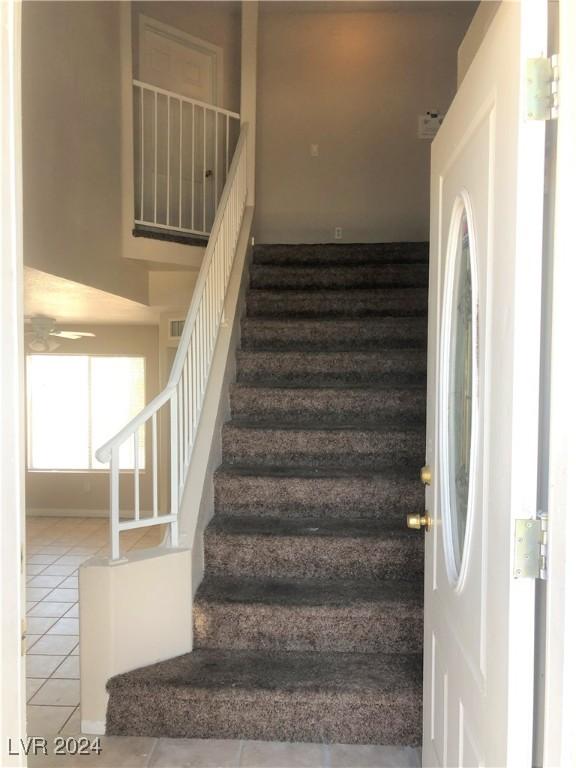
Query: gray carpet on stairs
point(308, 624)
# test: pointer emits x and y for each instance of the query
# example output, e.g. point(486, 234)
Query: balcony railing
point(182, 154)
point(184, 394)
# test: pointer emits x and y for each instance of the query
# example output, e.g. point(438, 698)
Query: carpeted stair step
point(278, 696)
point(355, 303)
point(327, 407)
point(278, 493)
point(309, 615)
point(352, 254)
point(356, 276)
point(373, 333)
point(394, 367)
point(245, 547)
point(322, 448)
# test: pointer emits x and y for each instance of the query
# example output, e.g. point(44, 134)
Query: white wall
point(475, 35)
point(354, 83)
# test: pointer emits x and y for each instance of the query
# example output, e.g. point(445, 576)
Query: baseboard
point(47, 512)
point(96, 727)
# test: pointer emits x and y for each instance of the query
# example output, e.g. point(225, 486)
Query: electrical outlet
point(337, 233)
point(314, 150)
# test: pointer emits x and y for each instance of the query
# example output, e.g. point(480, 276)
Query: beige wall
point(215, 22)
point(72, 145)
point(354, 83)
point(475, 35)
point(67, 492)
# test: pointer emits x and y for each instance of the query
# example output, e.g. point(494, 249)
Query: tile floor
point(56, 547)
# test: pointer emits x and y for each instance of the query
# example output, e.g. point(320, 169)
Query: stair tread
point(324, 392)
point(274, 471)
point(337, 528)
point(337, 322)
point(316, 592)
point(307, 672)
point(346, 253)
point(387, 427)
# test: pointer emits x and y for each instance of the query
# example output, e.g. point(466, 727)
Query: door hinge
point(543, 77)
point(531, 548)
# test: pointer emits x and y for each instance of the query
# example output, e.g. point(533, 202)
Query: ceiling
point(67, 301)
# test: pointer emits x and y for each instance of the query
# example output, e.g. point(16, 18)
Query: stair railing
point(182, 153)
point(186, 387)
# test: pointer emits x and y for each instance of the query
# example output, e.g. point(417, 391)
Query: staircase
point(308, 624)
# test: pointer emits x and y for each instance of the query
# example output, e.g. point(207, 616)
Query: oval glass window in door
point(459, 377)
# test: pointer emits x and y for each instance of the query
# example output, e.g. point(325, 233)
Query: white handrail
point(186, 385)
point(181, 159)
point(186, 99)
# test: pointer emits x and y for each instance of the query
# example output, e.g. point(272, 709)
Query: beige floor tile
point(196, 753)
point(73, 612)
point(31, 640)
point(59, 570)
point(56, 645)
point(58, 692)
point(73, 724)
point(46, 721)
point(38, 625)
point(368, 756)
point(84, 549)
point(70, 668)
point(71, 582)
point(46, 608)
point(33, 569)
point(61, 595)
point(46, 580)
point(54, 549)
point(272, 754)
point(32, 686)
point(74, 560)
point(42, 666)
point(37, 593)
point(36, 559)
point(117, 752)
point(66, 626)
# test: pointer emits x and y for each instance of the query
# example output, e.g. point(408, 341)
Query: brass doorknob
point(426, 475)
point(419, 521)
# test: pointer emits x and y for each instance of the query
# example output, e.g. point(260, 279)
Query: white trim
point(12, 457)
point(195, 43)
point(55, 512)
point(560, 670)
point(93, 727)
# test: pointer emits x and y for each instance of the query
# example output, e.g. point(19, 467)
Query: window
point(78, 402)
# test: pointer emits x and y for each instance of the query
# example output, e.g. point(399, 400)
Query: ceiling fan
point(43, 332)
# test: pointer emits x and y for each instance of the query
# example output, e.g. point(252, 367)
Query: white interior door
point(176, 61)
point(483, 387)
point(188, 66)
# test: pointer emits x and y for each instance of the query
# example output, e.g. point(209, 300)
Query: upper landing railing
point(182, 154)
point(183, 396)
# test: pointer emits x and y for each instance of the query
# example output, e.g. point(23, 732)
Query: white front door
point(483, 392)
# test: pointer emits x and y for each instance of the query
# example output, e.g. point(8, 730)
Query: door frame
point(12, 434)
point(184, 38)
point(559, 735)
